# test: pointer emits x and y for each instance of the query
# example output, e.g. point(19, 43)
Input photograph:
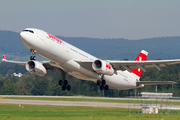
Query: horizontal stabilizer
point(154, 82)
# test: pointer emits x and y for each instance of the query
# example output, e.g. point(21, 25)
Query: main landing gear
point(33, 57)
point(102, 84)
point(64, 83)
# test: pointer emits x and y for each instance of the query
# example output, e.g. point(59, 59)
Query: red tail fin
point(141, 57)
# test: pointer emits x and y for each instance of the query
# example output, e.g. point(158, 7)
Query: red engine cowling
point(102, 67)
point(36, 68)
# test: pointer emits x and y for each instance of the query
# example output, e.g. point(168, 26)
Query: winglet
point(4, 57)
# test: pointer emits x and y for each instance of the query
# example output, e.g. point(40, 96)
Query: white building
point(18, 75)
point(150, 109)
point(156, 95)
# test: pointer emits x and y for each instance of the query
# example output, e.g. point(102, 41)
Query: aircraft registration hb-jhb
point(69, 59)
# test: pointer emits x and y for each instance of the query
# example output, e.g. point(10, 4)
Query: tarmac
point(130, 105)
point(67, 103)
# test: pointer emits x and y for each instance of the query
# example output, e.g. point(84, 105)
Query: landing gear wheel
point(68, 87)
point(32, 57)
point(33, 51)
point(63, 87)
point(98, 82)
point(65, 82)
point(106, 87)
point(101, 87)
point(103, 82)
point(60, 82)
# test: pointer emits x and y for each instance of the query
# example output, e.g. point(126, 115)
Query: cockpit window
point(28, 31)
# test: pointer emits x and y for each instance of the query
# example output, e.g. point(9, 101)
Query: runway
point(68, 103)
point(81, 103)
point(131, 104)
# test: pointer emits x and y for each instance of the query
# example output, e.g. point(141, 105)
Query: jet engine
point(102, 67)
point(36, 68)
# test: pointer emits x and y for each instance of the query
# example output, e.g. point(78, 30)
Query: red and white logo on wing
point(141, 57)
point(4, 57)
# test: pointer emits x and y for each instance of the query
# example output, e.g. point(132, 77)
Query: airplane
point(66, 58)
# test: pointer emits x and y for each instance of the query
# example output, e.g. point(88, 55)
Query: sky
point(129, 19)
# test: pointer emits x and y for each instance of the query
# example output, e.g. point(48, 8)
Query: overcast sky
point(129, 19)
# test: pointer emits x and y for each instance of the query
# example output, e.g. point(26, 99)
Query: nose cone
point(25, 39)
point(22, 36)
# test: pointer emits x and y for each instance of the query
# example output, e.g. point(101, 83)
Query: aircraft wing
point(47, 64)
point(87, 64)
point(15, 62)
point(127, 65)
point(154, 82)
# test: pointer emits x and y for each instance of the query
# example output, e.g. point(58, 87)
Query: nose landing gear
point(33, 57)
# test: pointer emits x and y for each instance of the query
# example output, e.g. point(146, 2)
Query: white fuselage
point(64, 56)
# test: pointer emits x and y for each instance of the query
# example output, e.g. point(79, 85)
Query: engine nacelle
point(36, 68)
point(102, 67)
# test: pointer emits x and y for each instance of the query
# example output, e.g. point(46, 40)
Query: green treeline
point(30, 84)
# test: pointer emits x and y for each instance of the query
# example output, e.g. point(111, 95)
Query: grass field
point(97, 100)
point(35, 112)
